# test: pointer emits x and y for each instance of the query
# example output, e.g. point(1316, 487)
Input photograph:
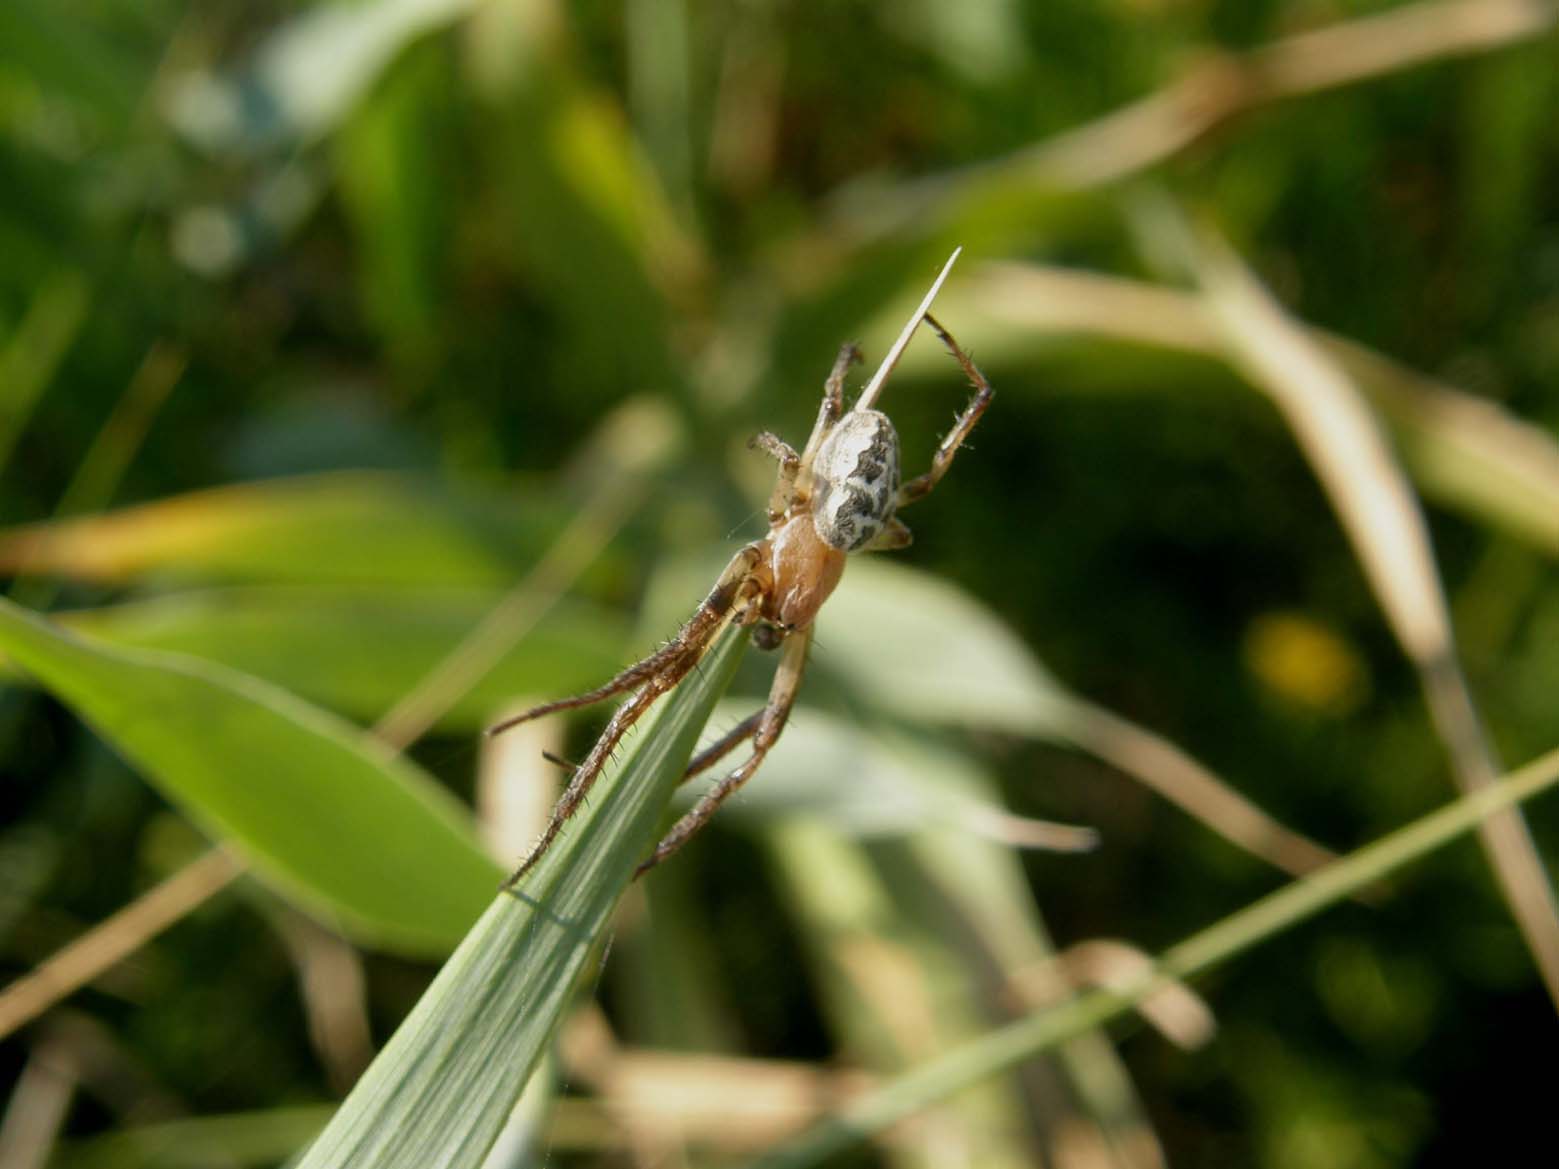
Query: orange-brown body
point(804, 572)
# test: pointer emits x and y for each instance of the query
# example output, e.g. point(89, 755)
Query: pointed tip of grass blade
point(874, 387)
point(443, 1087)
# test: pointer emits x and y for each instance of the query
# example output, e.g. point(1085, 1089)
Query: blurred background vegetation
point(321, 324)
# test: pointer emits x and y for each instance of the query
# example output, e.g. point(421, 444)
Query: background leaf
point(326, 529)
point(359, 650)
point(365, 839)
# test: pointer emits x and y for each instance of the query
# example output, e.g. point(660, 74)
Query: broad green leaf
point(907, 643)
point(924, 649)
point(359, 650)
point(345, 527)
point(329, 816)
point(444, 1085)
point(867, 781)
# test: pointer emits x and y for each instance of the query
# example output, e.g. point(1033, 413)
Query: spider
point(840, 495)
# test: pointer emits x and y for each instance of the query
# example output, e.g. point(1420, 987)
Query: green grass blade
point(1008, 1046)
point(445, 1083)
point(307, 529)
point(331, 817)
point(360, 650)
point(31, 355)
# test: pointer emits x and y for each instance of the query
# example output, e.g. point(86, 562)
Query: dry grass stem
point(1161, 766)
point(520, 611)
point(1464, 446)
point(1380, 514)
point(1173, 1009)
point(116, 938)
point(1011, 831)
point(672, 1099)
point(1152, 129)
point(39, 1104)
point(334, 990)
point(516, 784)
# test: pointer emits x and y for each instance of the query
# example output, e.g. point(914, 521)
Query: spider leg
point(784, 494)
point(833, 400)
point(770, 722)
point(671, 664)
point(895, 534)
point(723, 746)
point(585, 775)
point(921, 485)
point(708, 615)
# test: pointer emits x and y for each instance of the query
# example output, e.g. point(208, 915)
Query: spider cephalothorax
point(839, 495)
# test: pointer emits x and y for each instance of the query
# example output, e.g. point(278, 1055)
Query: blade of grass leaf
point(32, 353)
point(356, 650)
point(1143, 133)
point(318, 807)
point(319, 528)
point(98, 474)
point(116, 938)
point(634, 440)
point(1463, 451)
point(885, 620)
point(989, 905)
point(1380, 514)
point(444, 1085)
point(1296, 902)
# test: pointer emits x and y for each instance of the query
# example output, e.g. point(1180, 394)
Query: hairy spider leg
point(832, 407)
point(705, 617)
point(895, 534)
point(723, 746)
point(771, 721)
point(784, 493)
point(672, 664)
point(920, 486)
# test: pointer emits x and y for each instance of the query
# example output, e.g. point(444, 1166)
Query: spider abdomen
point(855, 480)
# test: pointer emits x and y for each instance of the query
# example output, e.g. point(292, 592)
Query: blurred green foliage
point(445, 240)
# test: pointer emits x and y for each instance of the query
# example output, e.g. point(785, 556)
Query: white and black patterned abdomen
point(856, 480)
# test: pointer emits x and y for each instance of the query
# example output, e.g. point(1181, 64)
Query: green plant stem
point(1027, 1037)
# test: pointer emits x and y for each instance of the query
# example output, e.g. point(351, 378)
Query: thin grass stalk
point(1010, 1045)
